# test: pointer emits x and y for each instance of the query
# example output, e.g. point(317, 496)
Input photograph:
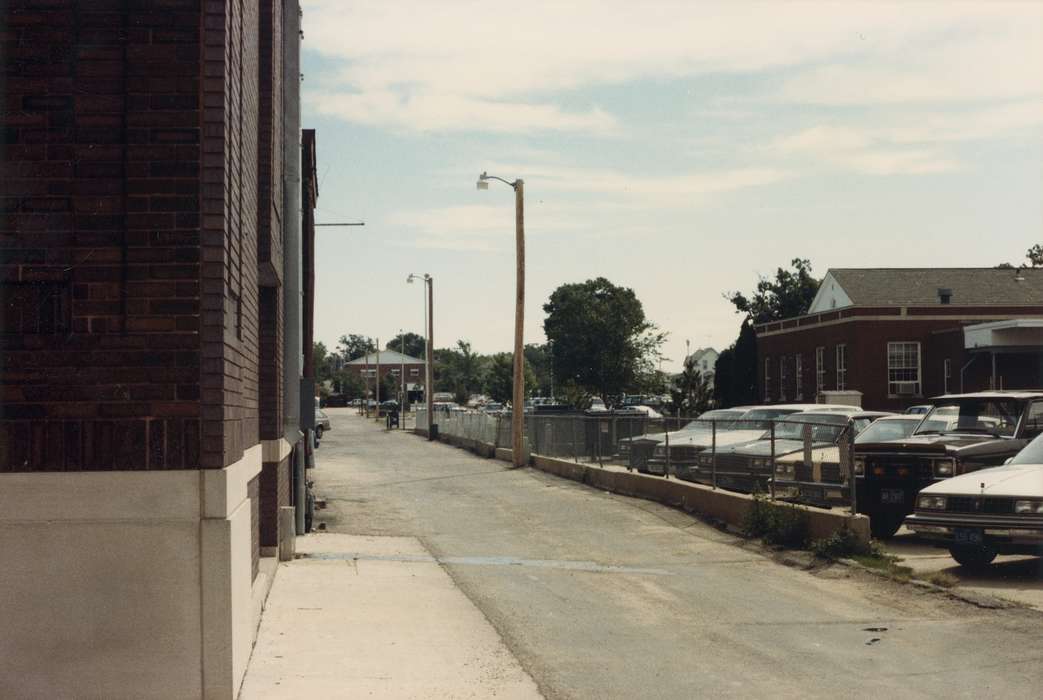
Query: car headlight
point(928, 502)
point(659, 451)
point(1028, 507)
point(944, 467)
point(860, 466)
point(757, 463)
point(785, 468)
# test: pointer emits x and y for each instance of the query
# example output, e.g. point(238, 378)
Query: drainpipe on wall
point(292, 298)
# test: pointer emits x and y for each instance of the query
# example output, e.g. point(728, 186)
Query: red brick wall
point(229, 331)
point(99, 227)
point(866, 342)
point(269, 220)
point(128, 234)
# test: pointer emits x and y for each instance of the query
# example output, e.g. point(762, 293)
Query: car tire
point(883, 526)
point(974, 557)
point(318, 433)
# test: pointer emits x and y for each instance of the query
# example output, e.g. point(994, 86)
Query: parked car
point(918, 410)
point(748, 467)
point(389, 406)
point(493, 408)
point(322, 423)
point(962, 433)
point(825, 481)
point(335, 401)
point(988, 512)
point(597, 405)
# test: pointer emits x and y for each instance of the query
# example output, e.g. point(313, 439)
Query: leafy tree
point(459, 370)
point(1035, 255)
point(499, 383)
point(691, 391)
point(744, 367)
point(539, 359)
point(323, 363)
point(789, 294)
point(414, 344)
point(353, 345)
point(390, 386)
point(602, 340)
point(722, 378)
point(349, 384)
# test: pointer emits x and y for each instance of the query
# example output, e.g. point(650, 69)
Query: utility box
point(846, 397)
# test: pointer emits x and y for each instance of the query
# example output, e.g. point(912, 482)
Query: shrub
point(782, 525)
point(842, 543)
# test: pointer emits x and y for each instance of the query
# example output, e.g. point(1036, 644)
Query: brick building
point(152, 418)
point(900, 335)
point(390, 363)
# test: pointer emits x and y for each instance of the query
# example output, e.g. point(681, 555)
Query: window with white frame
point(798, 367)
point(767, 379)
point(841, 367)
point(946, 374)
point(903, 369)
point(369, 372)
point(783, 376)
point(820, 369)
point(414, 372)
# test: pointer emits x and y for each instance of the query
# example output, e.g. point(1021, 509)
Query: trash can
point(392, 417)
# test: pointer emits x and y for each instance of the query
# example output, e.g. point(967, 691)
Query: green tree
point(1035, 255)
point(722, 378)
point(353, 345)
point(414, 344)
point(539, 359)
point(323, 363)
point(602, 340)
point(691, 391)
point(499, 382)
point(789, 294)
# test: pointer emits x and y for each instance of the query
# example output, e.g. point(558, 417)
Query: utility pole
point(402, 377)
point(376, 378)
point(518, 398)
point(518, 412)
point(429, 390)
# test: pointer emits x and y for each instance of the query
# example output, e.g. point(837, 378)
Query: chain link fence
point(800, 459)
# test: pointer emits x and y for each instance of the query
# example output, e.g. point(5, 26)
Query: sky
point(682, 149)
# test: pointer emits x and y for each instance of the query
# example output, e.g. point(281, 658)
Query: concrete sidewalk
point(358, 616)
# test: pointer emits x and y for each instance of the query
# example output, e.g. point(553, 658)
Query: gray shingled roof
point(386, 357)
point(920, 285)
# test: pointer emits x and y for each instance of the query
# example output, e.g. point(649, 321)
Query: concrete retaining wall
point(726, 506)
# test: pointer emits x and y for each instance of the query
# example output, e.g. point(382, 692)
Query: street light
point(518, 398)
point(429, 321)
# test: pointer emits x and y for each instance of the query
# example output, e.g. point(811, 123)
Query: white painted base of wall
point(126, 584)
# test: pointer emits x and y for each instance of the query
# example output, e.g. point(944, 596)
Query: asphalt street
point(602, 596)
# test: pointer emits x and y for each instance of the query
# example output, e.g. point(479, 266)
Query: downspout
point(292, 332)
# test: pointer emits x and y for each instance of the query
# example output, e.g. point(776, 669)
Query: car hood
point(763, 448)
point(949, 443)
point(1011, 480)
point(705, 438)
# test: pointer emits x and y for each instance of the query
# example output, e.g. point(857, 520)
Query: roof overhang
point(1013, 335)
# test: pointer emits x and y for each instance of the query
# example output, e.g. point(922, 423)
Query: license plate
point(892, 496)
point(967, 535)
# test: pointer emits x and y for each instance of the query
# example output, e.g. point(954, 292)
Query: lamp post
point(518, 398)
point(429, 375)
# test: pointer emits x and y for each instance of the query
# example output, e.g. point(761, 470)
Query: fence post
point(713, 454)
point(848, 460)
point(666, 436)
point(575, 455)
point(772, 464)
point(597, 441)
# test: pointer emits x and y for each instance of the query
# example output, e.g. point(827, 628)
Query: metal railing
point(805, 462)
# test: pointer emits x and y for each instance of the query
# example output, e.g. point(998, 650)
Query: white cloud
point(916, 143)
point(456, 65)
point(447, 112)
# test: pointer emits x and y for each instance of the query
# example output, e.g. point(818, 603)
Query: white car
point(987, 512)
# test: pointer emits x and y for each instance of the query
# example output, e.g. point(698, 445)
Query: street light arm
point(486, 176)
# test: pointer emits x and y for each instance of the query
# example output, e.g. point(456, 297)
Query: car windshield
point(824, 427)
point(760, 418)
point(990, 416)
point(883, 430)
